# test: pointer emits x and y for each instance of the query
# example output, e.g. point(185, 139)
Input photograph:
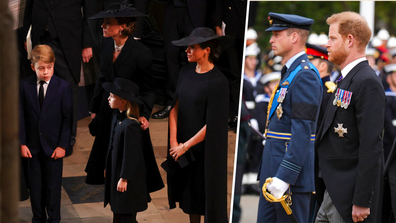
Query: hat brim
point(224, 41)
point(273, 28)
point(110, 87)
point(118, 14)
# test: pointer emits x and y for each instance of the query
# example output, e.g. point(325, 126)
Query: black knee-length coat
point(127, 159)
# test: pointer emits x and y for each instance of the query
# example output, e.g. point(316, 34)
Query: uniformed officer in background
point(288, 155)
point(389, 200)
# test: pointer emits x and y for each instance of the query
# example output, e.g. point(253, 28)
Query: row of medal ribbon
point(342, 98)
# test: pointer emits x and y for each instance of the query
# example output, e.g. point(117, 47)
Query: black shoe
point(233, 123)
point(163, 113)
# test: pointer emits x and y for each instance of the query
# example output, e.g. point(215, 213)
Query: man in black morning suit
point(63, 26)
point(349, 141)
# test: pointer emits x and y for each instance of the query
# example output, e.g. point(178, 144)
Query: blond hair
point(132, 110)
point(43, 53)
point(354, 24)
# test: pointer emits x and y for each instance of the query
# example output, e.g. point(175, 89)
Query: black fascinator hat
point(116, 10)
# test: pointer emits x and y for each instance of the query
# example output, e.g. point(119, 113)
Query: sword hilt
point(284, 200)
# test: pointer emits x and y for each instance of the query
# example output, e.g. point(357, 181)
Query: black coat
point(351, 165)
point(128, 159)
point(70, 25)
point(133, 63)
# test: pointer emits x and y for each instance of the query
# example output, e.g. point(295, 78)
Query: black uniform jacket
point(129, 159)
point(351, 165)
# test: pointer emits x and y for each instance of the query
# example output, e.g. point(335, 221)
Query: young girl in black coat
point(127, 165)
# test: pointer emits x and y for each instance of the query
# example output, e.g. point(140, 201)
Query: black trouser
point(62, 70)
point(45, 181)
point(177, 25)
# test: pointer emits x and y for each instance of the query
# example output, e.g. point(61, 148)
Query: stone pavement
point(88, 207)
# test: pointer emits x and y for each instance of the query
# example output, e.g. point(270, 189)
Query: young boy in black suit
point(45, 133)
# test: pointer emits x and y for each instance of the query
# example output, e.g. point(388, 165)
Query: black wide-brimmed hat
point(118, 10)
point(123, 88)
point(203, 34)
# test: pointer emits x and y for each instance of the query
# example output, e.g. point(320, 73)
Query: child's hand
point(25, 152)
point(144, 124)
point(58, 153)
point(122, 185)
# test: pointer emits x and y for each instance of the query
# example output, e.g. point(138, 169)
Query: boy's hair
point(42, 52)
point(132, 110)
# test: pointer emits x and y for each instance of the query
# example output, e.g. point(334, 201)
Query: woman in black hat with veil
point(197, 154)
point(122, 56)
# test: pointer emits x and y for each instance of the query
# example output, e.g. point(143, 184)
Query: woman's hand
point(93, 115)
point(144, 124)
point(177, 151)
point(122, 185)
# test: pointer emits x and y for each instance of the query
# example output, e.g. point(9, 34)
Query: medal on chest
point(342, 98)
point(281, 98)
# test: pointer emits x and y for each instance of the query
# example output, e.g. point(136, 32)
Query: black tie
point(283, 71)
point(41, 94)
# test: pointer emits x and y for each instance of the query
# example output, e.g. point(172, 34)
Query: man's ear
point(350, 40)
point(32, 66)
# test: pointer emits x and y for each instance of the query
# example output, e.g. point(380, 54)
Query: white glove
point(278, 187)
point(263, 142)
point(254, 124)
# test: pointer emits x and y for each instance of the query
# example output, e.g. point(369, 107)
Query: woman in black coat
point(122, 56)
point(198, 131)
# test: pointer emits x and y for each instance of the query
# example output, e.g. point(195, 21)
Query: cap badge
point(270, 20)
point(340, 130)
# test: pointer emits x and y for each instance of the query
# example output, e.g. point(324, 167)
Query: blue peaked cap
point(280, 21)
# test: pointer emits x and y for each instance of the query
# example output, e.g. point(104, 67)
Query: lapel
point(125, 52)
point(332, 109)
point(33, 94)
point(51, 93)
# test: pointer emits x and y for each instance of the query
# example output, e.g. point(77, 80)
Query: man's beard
point(338, 56)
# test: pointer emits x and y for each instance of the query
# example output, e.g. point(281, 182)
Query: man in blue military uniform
point(288, 155)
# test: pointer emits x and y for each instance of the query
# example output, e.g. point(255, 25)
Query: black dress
point(201, 186)
point(133, 63)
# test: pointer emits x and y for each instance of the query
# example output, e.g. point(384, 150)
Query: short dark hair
point(130, 25)
point(215, 49)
